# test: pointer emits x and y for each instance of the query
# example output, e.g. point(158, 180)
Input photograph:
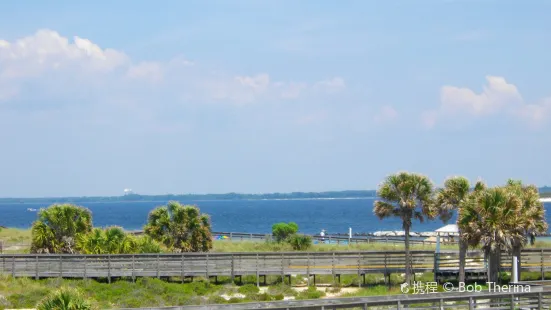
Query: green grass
point(23, 236)
point(151, 292)
point(14, 235)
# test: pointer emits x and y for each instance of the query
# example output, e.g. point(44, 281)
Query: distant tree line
point(192, 197)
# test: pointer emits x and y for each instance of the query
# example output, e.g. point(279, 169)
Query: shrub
point(310, 293)
point(65, 299)
point(248, 289)
point(300, 242)
point(281, 231)
point(58, 228)
point(181, 228)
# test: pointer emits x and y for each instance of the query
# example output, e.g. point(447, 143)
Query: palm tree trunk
point(493, 266)
point(463, 246)
point(407, 258)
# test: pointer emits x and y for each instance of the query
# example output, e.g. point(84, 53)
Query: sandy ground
point(343, 290)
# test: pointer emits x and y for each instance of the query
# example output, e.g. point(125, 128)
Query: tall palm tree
point(490, 219)
point(531, 218)
point(448, 201)
point(407, 196)
point(58, 227)
point(180, 228)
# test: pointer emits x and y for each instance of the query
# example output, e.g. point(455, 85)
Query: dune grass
point(15, 235)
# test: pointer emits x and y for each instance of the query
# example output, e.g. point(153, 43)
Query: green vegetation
point(407, 196)
point(501, 218)
point(113, 240)
point(65, 299)
point(287, 232)
point(282, 231)
point(448, 200)
point(59, 227)
point(180, 228)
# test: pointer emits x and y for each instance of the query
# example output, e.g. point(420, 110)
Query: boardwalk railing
point(239, 236)
point(482, 300)
point(258, 264)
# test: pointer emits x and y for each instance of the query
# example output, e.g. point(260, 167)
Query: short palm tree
point(58, 227)
point(531, 218)
point(407, 196)
point(180, 228)
point(490, 219)
point(65, 299)
point(448, 200)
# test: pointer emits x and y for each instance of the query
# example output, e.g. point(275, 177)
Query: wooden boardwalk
point(258, 264)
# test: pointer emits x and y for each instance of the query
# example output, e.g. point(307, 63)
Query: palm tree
point(448, 200)
point(58, 228)
point(490, 219)
point(531, 218)
point(65, 299)
point(180, 228)
point(407, 196)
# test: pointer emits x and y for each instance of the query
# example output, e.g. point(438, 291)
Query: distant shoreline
point(350, 194)
point(343, 195)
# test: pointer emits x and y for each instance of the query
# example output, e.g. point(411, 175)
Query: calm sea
point(252, 216)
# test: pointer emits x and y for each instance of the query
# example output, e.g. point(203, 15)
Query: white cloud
point(47, 50)
point(47, 58)
point(497, 96)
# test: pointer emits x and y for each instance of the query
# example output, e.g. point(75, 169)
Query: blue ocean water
point(251, 216)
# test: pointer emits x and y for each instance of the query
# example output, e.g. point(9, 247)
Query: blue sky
point(270, 96)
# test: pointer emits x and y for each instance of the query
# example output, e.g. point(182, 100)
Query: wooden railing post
point(36, 267)
point(540, 300)
point(109, 269)
point(257, 272)
point(207, 267)
point(232, 268)
point(133, 268)
point(308, 268)
point(282, 270)
point(542, 259)
point(359, 269)
point(60, 266)
point(183, 270)
point(158, 267)
point(85, 267)
point(471, 304)
point(333, 267)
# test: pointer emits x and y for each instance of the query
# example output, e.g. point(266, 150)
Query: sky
point(270, 96)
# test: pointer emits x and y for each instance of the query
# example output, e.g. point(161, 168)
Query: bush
point(65, 299)
point(248, 289)
point(282, 231)
point(300, 242)
point(310, 293)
